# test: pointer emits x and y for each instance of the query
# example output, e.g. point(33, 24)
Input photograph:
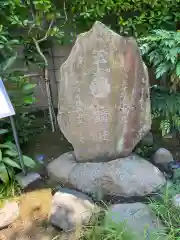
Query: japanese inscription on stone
point(104, 104)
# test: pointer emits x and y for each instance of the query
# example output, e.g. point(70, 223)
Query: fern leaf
point(178, 69)
point(161, 70)
point(165, 127)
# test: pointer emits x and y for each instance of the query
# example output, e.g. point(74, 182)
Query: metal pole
point(17, 143)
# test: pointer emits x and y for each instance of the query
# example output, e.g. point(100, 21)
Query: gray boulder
point(129, 176)
point(71, 209)
point(139, 219)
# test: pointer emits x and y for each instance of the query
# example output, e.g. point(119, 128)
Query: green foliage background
point(44, 22)
point(130, 17)
point(160, 50)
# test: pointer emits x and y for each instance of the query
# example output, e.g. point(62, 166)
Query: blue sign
point(6, 107)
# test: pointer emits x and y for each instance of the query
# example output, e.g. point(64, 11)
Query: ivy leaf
point(3, 173)
point(0, 155)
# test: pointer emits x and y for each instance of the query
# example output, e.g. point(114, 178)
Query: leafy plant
point(162, 49)
point(19, 88)
point(21, 93)
point(127, 17)
point(165, 106)
point(32, 25)
point(9, 161)
point(11, 190)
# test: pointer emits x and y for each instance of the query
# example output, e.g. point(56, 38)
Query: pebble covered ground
point(33, 220)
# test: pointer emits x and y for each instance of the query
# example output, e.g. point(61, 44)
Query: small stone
point(8, 214)
point(71, 209)
point(176, 200)
point(138, 217)
point(162, 156)
point(25, 180)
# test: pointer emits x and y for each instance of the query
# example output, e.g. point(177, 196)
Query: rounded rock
point(162, 156)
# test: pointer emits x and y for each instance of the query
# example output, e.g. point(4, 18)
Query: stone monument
point(104, 103)
point(104, 111)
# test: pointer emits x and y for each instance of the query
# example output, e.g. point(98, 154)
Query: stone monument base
point(124, 177)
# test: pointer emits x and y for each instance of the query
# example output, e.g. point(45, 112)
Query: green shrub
point(19, 88)
point(10, 163)
point(128, 17)
point(165, 106)
point(161, 50)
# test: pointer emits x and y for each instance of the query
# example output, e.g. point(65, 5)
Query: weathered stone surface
point(71, 209)
point(8, 213)
point(104, 104)
point(129, 176)
point(139, 219)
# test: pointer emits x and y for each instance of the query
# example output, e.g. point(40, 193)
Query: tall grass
point(107, 231)
point(9, 191)
point(169, 214)
point(163, 208)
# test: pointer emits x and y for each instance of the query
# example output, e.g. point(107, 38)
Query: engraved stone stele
point(104, 103)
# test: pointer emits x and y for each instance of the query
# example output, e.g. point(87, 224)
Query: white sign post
point(7, 110)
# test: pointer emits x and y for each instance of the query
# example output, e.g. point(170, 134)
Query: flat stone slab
point(25, 180)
